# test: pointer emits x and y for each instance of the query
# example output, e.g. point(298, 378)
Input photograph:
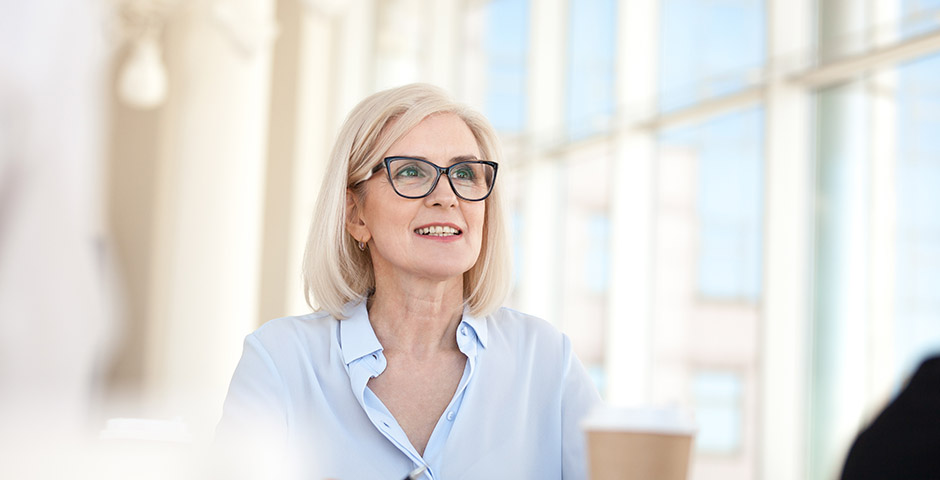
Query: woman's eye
point(463, 173)
point(409, 171)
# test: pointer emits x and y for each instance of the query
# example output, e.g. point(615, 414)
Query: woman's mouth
point(437, 231)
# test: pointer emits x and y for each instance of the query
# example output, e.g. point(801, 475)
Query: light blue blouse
point(302, 384)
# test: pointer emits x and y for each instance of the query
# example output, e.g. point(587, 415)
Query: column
point(208, 205)
point(442, 55)
point(300, 138)
point(542, 210)
point(279, 275)
point(400, 35)
point(629, 326)
point(882, 88)
point(354, 53)
point(841, 314)
point(785, 348)
point(316, 127)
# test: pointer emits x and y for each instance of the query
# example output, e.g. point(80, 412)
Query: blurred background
point(728, 205)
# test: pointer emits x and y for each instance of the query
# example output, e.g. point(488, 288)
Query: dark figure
point(904, 441)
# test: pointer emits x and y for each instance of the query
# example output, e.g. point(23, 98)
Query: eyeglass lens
point(415, 178)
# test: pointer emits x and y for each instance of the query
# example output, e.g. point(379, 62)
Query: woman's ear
point(355, 224)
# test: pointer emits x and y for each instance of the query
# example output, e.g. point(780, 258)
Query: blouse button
point(463, 330)
point(450, 416)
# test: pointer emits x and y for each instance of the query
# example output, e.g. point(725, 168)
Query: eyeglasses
point(471, 180)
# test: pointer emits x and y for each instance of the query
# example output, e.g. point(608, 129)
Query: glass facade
point(591, 42)
point(506, 73)
point(868, 238)
point(718, 398)
point(728, 153)
point(841, 319)
point(709, 48)
point(597, 264)
point(917, 331)
point(919, 17)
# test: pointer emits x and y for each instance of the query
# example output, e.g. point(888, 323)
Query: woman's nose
point(443, 194)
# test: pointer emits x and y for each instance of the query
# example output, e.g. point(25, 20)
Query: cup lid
point(662, 420)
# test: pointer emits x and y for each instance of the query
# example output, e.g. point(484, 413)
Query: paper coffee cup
point(638, 443)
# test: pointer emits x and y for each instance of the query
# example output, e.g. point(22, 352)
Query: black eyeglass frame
point(440, 170)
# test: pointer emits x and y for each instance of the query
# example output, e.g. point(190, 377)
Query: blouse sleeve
point(578, 398)
point(251, 437)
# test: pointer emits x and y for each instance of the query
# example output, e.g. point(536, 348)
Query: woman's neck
point(416, 318)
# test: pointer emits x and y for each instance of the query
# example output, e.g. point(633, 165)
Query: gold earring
point(362, 246)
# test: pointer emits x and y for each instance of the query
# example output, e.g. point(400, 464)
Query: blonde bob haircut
point(335, 270)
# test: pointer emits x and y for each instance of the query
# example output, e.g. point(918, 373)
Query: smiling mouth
point(437, 231)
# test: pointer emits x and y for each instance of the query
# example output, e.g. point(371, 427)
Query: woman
point(409, 363)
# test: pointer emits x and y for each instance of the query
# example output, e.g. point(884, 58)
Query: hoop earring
point(362, 246)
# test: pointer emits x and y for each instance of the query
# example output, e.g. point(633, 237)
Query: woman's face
point(396, 228)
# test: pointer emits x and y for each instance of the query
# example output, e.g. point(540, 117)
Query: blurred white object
point(144, 449)
point(664, 420)
point(54, 320)
point(143, 81)
point(146, 429)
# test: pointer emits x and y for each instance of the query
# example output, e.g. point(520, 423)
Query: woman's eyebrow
point(459, 158)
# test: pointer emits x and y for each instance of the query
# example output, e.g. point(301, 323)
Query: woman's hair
point(335, 270)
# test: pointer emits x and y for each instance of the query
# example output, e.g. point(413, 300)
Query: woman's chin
point(436, 273)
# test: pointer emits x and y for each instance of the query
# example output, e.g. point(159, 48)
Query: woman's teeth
point(437, 231)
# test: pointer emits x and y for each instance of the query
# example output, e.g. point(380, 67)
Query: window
point(709, 48)
point(591, 40)
point(517, 225)
point(597, 266)
point(917, 273)
point(507, 35)
point(718, 400)
point(919, 17)
point(852, 194)
point(727, 158)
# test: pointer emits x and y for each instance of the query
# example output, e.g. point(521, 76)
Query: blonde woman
point(409, 364)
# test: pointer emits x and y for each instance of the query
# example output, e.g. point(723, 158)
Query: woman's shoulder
point(296, 328)
point(516, 326)
point(522, 320)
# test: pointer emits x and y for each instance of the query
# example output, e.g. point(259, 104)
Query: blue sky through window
point(917, 303)
point(507, 43)
point(718, 402)
point(919, 17)
point(729, 201)
point(591, 46)
point(709, 48)
point(597, 265)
